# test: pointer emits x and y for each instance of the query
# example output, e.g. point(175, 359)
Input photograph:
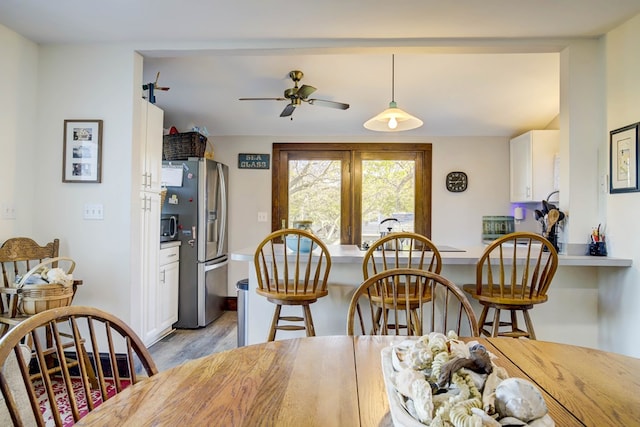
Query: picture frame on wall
point(82, 151)
point(623, 159)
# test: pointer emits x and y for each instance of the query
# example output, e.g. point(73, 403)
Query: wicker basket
point(181, 146)
point(34, 299)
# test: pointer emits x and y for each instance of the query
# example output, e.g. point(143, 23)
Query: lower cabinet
point(162, 302)
point(168, 287)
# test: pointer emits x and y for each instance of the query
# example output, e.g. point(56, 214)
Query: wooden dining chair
point(448, 309)
point(513, 274)
point(401, 250)
point(35, 395)
point(18, 256)
point(292, 268)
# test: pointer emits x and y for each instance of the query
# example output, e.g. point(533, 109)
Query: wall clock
point(457, 181)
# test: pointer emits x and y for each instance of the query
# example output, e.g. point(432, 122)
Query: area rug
point(62, 399)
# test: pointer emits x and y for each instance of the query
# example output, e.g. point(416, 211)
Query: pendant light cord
point(393, 78)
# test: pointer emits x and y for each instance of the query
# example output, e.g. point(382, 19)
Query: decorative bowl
point(406, 370)
point(305, 244)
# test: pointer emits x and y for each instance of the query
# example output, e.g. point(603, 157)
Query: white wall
point(581, 124)
point(18, 127)
point(619, 293)
point(85, 82)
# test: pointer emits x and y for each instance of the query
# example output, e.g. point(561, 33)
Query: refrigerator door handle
point(223, 216)
point(214, 266)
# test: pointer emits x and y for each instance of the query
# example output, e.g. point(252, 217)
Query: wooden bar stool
point(402, 250)
point(292, 267)
point(513, 274)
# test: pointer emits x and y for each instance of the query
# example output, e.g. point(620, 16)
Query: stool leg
point(496, 323)
point(529, 323)
point(274, 323)
point(308, 321)
point(514, 321)
point(483, 320)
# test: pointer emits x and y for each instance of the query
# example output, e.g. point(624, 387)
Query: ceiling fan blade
point(332, 104)
point(305, 90)
point(262, 99)
point(288, 110)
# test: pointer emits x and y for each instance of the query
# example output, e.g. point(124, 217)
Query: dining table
point(339, 381)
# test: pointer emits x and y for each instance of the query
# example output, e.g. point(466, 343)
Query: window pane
point(388, 191)
point(314, 195)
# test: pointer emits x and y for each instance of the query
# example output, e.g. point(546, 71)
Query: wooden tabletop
point(338, 381)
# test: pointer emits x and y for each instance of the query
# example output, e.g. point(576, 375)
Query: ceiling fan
point(297, 95)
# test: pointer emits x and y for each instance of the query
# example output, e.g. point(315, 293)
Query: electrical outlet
point(262, 217)
point(93, 211)
point(7, 211)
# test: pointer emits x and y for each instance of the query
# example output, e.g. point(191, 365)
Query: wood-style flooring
point(187, 344)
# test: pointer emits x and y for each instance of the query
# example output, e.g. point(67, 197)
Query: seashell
point(458, 349)
point(545, 421)
point(519, 398)
point(511, 421)
point(405, 378)
point(487, 420)
point(478, 379)
point(400, 353)
point(422, 400)
point(410, 355)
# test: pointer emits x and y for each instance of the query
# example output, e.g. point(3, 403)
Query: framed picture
point(82, 152)
point(623, 159)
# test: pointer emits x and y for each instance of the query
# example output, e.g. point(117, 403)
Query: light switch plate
point(93, 211)
point(262, 217)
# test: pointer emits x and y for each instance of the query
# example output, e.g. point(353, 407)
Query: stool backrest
point(401, 250)
point(292, 262)
point(519, 265)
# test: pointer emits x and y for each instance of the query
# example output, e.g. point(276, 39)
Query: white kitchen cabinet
point(150, 142)
point(151, 145)
point(150, 266)
point(532, 165)
point(168, 288)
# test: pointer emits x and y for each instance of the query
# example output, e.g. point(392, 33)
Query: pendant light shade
point(393, 119)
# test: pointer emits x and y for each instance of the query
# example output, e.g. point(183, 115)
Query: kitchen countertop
point(349, 254)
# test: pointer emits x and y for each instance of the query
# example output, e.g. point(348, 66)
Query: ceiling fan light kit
point(393, 119)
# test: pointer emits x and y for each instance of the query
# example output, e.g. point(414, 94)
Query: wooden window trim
point(351, 193)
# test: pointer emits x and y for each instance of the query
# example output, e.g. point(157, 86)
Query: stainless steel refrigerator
point(197, 191)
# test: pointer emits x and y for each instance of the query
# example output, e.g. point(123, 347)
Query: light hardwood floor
point(187, 344)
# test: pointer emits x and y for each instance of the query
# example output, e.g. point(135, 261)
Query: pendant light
point(393, 119)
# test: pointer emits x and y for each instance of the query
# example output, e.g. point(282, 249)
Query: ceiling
point(469, 67)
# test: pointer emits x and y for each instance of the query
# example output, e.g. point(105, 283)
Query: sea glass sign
point(253, 161)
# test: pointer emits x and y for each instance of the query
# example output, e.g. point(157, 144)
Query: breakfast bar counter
point(573, 296)
point(352, 254)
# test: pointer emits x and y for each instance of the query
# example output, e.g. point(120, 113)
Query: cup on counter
point(598, 248)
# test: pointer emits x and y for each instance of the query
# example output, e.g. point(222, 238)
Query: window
point(348, 189)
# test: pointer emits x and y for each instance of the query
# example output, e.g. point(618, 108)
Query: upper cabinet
point(151, 145)
point(532, 165)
